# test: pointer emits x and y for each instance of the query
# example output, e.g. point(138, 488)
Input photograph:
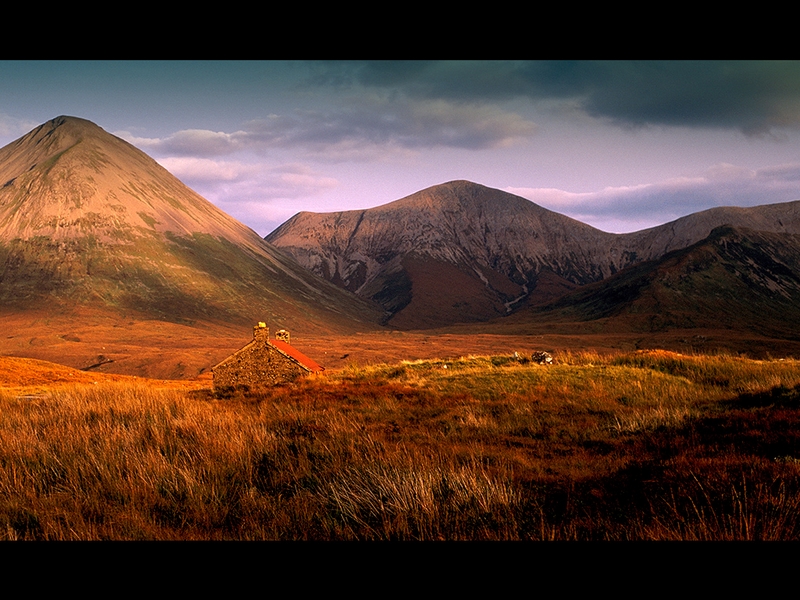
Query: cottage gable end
point(262, 363)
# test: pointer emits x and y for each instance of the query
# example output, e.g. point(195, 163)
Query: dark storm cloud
point(752, 96)
point(459, 104)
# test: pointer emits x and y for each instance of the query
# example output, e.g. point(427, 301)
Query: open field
point(647, 445)
point(147, 347)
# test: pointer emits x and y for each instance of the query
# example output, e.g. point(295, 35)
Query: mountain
point(735, 279)
point(91, 225)
point(462, 252)
point(454, 252)
point(653, 243)
point(108, 262)
point(86, 218)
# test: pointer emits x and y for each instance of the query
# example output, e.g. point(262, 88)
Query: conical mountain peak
point(64, 126)
point(45, 141)
point(69, 177)
point(86, 217)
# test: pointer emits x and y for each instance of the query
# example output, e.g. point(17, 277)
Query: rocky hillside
point(454, 251)
point(461, 252)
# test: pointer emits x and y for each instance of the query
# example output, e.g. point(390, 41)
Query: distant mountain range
point(93, 229)
point(461, 252)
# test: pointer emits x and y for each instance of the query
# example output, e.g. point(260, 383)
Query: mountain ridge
point(370, 252)
point(736, 279)
point(500, 251)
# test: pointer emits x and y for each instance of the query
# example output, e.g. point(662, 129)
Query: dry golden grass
point(644, 445)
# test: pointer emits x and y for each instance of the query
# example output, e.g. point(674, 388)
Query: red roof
point(292, 352)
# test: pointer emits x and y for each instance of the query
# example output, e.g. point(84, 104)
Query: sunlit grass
point(647, 445)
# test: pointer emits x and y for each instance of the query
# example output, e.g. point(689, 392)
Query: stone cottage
point(262, 363)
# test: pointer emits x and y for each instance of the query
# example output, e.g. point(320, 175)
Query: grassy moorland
point(640, 446)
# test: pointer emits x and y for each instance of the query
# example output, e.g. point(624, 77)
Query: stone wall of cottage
point(259, 365)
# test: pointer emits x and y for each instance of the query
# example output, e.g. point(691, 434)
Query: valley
point(108, 262)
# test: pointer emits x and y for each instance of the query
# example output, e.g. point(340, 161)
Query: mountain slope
point(735, 279)
point(461, 252)
point(87, 220)
point(657, 241)
point(457, 251)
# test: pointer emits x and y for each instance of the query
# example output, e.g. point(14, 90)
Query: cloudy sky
point(619, 145)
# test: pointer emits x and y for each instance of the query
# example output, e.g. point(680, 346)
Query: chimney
point(261, 331)
point(282, 335)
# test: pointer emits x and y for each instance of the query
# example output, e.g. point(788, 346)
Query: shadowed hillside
point(736, 279)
